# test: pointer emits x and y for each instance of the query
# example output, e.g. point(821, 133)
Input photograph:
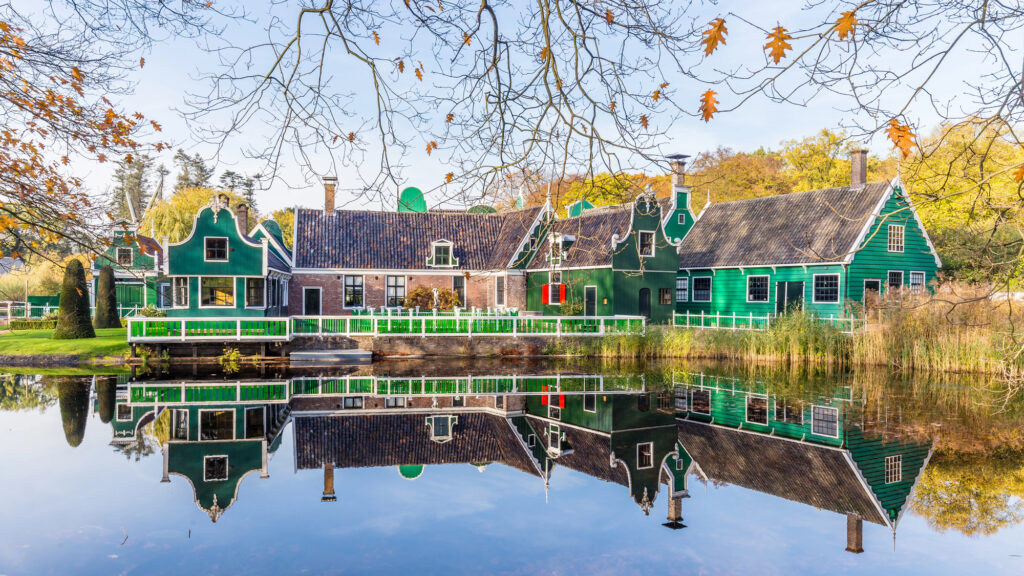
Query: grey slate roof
point(802, 472)
point(402, 241)
point(800, 228)
point(593, 231)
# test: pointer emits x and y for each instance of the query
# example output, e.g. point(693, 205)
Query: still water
point(507, 468)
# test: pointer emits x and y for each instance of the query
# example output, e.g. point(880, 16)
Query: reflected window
point(825, 421)
point(700, 401)
point(680, 399)
point(179, 424)
point(441, 427)
point(554, 412)
point(353, 402)
point(757, 410)
point(645, 455)
point(643, 402)
point(531, 440)
point(893, 469)
point(394, 402)
point(215, 468)
point(216, 425)
point(555, 440)
point(254, 427)
point(124, 412)
point(125, 256)
point(789, 412)
point(590, 403)
point(499, 402)
point(458, 401)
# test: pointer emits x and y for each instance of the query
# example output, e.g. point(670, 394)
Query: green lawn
point(108, 342)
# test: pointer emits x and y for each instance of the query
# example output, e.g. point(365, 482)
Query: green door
point(789, 296)
point(130, 295)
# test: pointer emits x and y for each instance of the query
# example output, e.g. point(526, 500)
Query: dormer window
point(645, 243)
point(554, 440)
point(125, 256)
point(442, 254)
point(681, 219)
point(216, 249)
point(441, 427)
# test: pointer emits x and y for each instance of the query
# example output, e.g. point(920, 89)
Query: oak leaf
point(901, 136)
point(1018, 174)
point(644, 121)
point(142, 62)
point(401, 66)
point(708, 105)
point(448, 177)
point(448, 119)
point(714, 35)
point(419, 74)
point(777, 44)
point(656, 96)
point(351, 136)
point(466, 38)
point(376, 38)
point(845, 24)
point(609, 17)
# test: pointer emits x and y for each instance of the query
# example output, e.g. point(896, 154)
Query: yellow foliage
point(175, 216)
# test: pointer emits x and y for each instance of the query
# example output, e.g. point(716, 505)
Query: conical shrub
point(73, 395)
point(106, 301)
point(73, 317)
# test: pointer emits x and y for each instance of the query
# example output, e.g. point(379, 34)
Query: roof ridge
point(793, 194)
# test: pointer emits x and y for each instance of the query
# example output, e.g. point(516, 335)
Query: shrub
point(151, 311)
point(33, 324)
point(106, 301)
point(423, 297)
point(73, 321)
point(73, 396)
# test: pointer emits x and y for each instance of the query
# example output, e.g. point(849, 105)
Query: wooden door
point(645, 302)
point(590, 301)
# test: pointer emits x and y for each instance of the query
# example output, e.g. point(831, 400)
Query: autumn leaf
point(466, 38)
point(708, 105)
point(609, 17)
point(351, 136)
point(448, 177)
point(845, 24)
point(544, 52)
point(448, 119)
point(335, 139)
point(142, 62)
point(431, 146)
point(663, 85)
point(901, 136)
point(401, 66)
point(156, 125)
point(77, 74)
point(644, 121)
point(1018, 174)
point(777, 44)
point(419, 74)
point(612, 106)
point(376, 38)
point(208, 4)
point(656, 95)
point(714, 35)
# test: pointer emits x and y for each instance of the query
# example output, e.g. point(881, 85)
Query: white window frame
point(554, 412)
point(354, 400)
point(639, 243)
point(650, 446)
point(117, 413)
point(344, 289)
point(711, 287)
point(387, 287)
point(174, 292)
point(903, 279)
point(866, 280)
point(318, 289)
point(500, 281)
point(894, 469)
point(767, 409)
point(551, 288)
point(234, 424)
point(131, 256)
point(227, 248)
point(162, 290)
point(433, 254)
point(174, 420)
point(681, 219)
point(685, 288)
point(783, 405)
point(394, 402)
point(767, 288)
point(593, 397)
point(264, 306)
point(839, 289)
point(920, 287)
point(227, 467)
point(234, 293)
point(245, 420)
point(901, 236)
point(831, 408)
point(442, 438)
point(708, 392)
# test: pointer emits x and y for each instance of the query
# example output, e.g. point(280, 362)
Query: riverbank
point(37, 348)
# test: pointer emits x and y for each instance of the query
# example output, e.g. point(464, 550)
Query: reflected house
point(817, 452)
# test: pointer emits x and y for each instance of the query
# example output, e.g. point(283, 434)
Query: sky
point(174, 68)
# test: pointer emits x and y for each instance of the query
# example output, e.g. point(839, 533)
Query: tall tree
point(240, 184)
point(106, 315)
point(73, 316)
point(131, 181)
point(192, 171)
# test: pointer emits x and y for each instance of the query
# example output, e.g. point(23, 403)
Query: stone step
point(351, 356)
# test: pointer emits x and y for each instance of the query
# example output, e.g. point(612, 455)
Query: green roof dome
point(410, 471)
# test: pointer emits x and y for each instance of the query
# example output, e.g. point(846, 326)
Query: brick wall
point(480, 290)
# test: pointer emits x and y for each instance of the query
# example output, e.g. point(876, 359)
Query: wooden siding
point(673, 229)
point(141, 262)
point(873, 259)
point(188, 257)
point(729, 290)
point(575, 281)
point(870, 453)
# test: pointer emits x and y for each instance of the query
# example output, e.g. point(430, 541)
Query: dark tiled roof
point(816, 226)
point(591, 453)
point(275, 262)
point(593, 231)
point(816, 475)
point(365, 440)
point(402, 241)
point(149, 245)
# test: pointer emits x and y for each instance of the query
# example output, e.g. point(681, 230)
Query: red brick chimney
point(328, 495)
point(854, 534)
point(858, 168)
point(329, 184)
point(677, 162)
point(242, 212)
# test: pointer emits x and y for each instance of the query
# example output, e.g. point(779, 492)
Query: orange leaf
point(656, 95)
point(466, 39)
point(777, 44)
point(612, 106)
point(663, 85)
point(431, 146)
point(448, 119)
point(419, 74)
point(401, 66)
point(1018, 174)
point(544, 52)
point(335, 139)
point(448, 177)
point(142, 62)
point(845, 24)
point(643, 121)
point(609, 17)
point(708, 105)
point(376, 38)
point(208, 4)
point(351, 136)
point(901, 136)
point(714, 35)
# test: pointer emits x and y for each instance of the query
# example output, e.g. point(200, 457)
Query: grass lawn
point(108, 342)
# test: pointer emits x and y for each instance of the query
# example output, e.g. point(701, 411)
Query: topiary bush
point(73, 318)
point(33, 324)
point(73, 396)
point(423, 297)
point(106, 301)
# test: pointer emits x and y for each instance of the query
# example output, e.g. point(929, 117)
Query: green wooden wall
point(873, 259)
point(188, 257)
point(575, 281)
point(870, 453)
point(729, 290)
point(141, 262)
point(239, 309)
point(675, 230)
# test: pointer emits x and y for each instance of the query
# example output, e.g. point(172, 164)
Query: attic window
point(216, 249)
point(441, 428)
point(645, 455)
point(893, 469)
point(681, 219)
point(895, 238)
point(125, 256)
point(645, 241)
point(215, 468)
point(441, 254)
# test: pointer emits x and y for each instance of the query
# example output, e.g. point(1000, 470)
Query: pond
point(508, 467)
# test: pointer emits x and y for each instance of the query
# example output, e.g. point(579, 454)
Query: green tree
point(107, 315)
point(972, 494)
point(174, 217)
point(245, 186)
point(73, 396)
point(285, 218)
point(192, 171)
point(73, 316)
point(106, 397)
point(725, 175)
point(131, 180)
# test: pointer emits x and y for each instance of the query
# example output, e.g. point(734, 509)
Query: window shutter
point(544, 398)
point(544, 294)
point(561, 400)
point(561, 292)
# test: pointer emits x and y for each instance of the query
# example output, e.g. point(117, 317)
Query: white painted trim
point(651, 445)
point(234, 292)
point(839, 289)
point(800, 265)
point(812, 432)
point(321, 300)
point(405, 288)
point(888, 238)
point(686, 284)
point(195, 220)
point(711, 287)
point(899, 473)
point(675, 208)
point(768, 295)
point(898, 184)
point(526, 239)
point(362, 284)
point(188, 292)
point(866, 229)
point(246, 289)
point(282, 251)
point(654, 243)
point(767, 409)
point(227, 467)
point(924, 279)
point(227, 248)
point(903, 279)
point(452, 260)
point(234, 429)
point(117, 256)
point(398, 271)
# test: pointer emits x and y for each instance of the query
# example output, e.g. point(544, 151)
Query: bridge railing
point(749, 321)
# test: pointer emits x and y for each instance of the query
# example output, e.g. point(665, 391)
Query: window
point(646, 242)
point(124, 412)
point(555, 288)
point(555, 439)
point(352, 402)
point(893, 469)
point(825, 421)
point(680, 394)
point(681, 219)
point(665, 296)
point(125, 256)
point(180, 292)
point(757, 410)
point(895, 238)
point(217, 292)
point(682, 289)
point(895, 279)
point(533, 242)
point(789, 412)
point(916, 281)
point(395, 291)
point(645, 455)
point(700, 401)
point(394, 402)
point(442, 254)
point(353, 292)
point(458, 401)
point(499, 291)
point(164, 295)
point(255, 294)
point(216, 425)
point(757, 288)
point(531, 440)
point(179, 424)
point(459, 287)
point(826, 288)
point(499, 402)
point(215, 468)
point(590, 402)
point(702, 289)
point(216, 249)
point(441, 427)
point(643, 403)
point(554, 412)
point(254, 422)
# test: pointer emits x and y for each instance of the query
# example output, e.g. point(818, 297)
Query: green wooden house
point(137, 262)
point(611, 260)
point(219, 270)
point(816, 450)
point(821, 251)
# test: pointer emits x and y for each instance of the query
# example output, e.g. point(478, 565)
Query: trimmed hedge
point(73, 320)
point(106, 315)
point(33, 324)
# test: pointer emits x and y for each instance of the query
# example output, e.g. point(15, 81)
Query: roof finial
point(520, 199)
point(549, 193)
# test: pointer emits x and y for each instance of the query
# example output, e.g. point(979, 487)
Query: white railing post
point(734, 320)
point(469, 327)
point(750, 322)
point(558, 327)
point(515, 328)
point(600, 326)
point(238, 329)
point(320, 326)
point(702, 319)
point(182, 332)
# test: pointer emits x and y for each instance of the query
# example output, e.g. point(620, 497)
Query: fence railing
point(21, 311)
point(457, 312)
point(285, 329)
point(734, 321)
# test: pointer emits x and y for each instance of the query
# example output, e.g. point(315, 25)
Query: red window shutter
point(561, 292)
point(561, 400)
point(544, 398)
point(544, 294)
